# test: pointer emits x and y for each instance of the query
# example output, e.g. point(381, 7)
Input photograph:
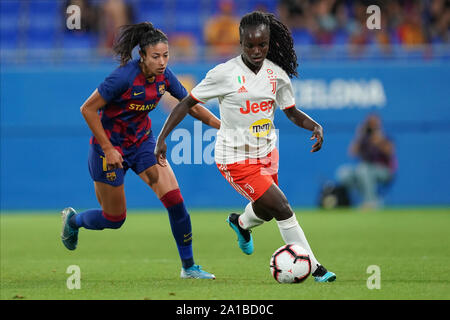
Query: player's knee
point(262, 212)
point(172, 198)
point(275, 204)
point(282, 210)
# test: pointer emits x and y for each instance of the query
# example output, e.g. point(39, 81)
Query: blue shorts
point(138, 159)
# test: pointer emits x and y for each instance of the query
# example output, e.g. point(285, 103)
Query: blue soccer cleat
point(69, 235)
point(245, 240)
point(323, 275)
point(196, 272)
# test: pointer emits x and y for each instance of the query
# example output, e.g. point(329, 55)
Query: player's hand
point(160, 152)
point(113, 159)
point(318, 135)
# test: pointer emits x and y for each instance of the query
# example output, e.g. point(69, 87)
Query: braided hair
point(142, 34)
point(281, 46)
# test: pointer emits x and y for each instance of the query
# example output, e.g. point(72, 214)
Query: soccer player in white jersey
point(249, 88)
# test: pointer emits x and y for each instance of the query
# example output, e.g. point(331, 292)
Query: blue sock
point(96, 219)
point(180, 223)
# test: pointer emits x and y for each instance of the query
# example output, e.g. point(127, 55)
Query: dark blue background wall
point(44, 140)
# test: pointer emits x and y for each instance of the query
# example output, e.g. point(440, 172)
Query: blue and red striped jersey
point(130, 97)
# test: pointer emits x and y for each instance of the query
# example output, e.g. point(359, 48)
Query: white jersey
point(247, 106)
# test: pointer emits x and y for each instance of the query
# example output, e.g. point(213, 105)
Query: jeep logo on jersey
point(261, 128)
point(256, 107)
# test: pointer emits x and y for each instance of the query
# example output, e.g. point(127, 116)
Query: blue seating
point(79, 40)
point(394, 38)
point(153, 11)
point(243, 7)
point(10, 7)
point(264, 5)
point(9, 39)
point(185, 6)
point(10, 12)
point(40, 24)
point(45, 7)
point(40, 40)
point(302, 37)
point(341, 37)
point(9, 31)
point(191, 23)
point(78, 45)
point(188, 16)
point(44, 14)
point(46, 22)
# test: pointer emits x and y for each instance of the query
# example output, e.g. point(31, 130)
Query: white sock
point(248, 219)
point(291, 232)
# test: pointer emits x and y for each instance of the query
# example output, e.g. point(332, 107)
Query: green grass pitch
point(140, 260)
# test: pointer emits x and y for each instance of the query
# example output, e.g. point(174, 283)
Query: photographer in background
point(377, 163)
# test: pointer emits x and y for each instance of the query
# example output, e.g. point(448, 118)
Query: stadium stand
point(411, 29)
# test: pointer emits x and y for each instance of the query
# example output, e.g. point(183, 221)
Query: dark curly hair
point(281, 46)
point(142, 34)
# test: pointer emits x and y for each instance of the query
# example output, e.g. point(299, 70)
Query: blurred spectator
point(291, 13)
point(113, 14)
point(377, 164)
point(405, 22)
point(183, 46)
point(361, 34)
point(297, 16)
point(439, 21)
point(338, 23)
point(326, 21)
point(221, 31)
point(410, 31)
point(345, 25)
point(383, 37)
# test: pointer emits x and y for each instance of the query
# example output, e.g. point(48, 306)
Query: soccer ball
point(290, 264)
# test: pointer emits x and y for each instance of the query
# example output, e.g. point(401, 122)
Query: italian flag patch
point(241, 79)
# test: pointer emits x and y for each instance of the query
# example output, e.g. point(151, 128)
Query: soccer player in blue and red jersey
point(117, 114)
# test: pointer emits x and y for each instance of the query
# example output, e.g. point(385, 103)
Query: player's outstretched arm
point(302, 120)
point(178, 113)
point(204, 115)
